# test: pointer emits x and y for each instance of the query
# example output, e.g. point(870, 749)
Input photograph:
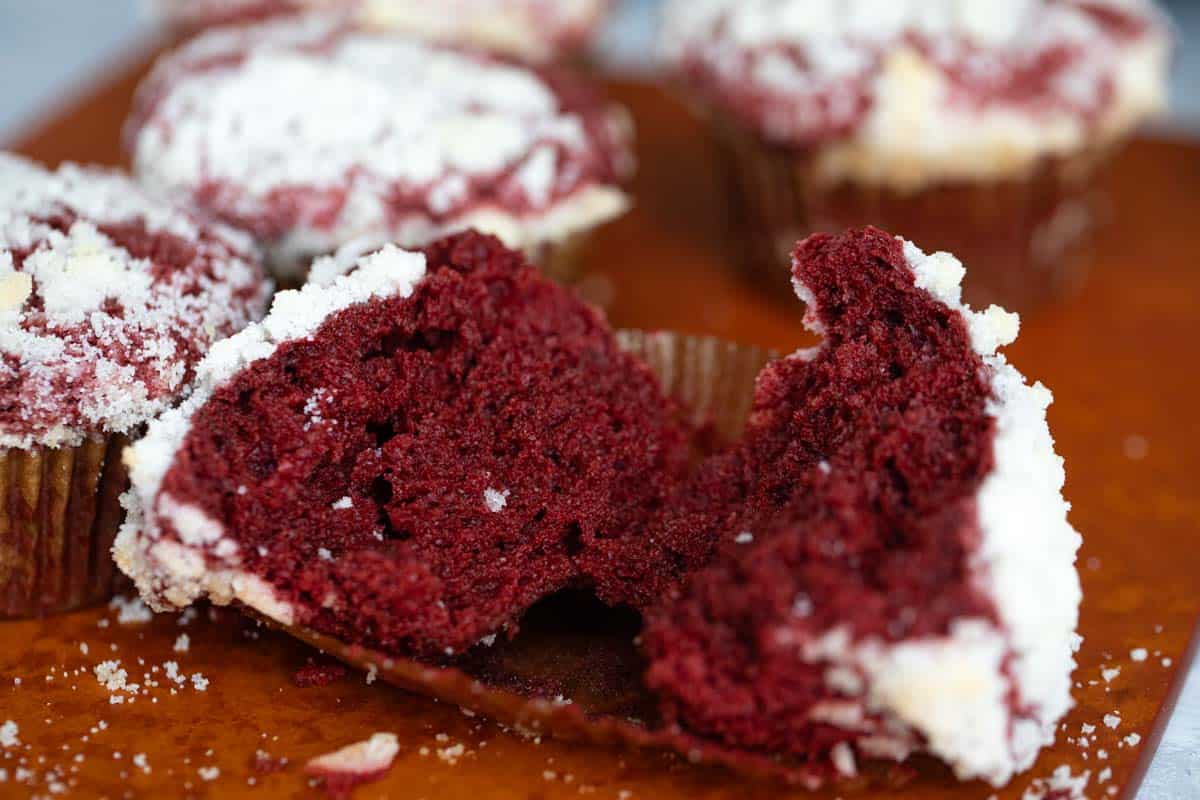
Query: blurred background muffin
point(975, 126)
point(108, 300)
point(537, 30)
point(313, 133)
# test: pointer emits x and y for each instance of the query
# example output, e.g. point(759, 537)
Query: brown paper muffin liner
point(574, 670)
point(1025, 241)
point(59, 512)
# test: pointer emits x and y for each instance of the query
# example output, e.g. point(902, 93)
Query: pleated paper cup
point(59, 514)
point(1026, 240)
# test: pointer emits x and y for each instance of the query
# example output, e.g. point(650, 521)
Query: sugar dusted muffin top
point(108, 299)
point(310, 133)
point(537, 30)
point(908, 91)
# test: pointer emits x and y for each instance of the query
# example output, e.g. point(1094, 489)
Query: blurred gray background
point(50, 50)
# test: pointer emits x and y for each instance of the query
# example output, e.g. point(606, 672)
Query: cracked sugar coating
point(108, 299)
point(894, 570)
point(407, 456)
point(310, 133)
point(533, 29)
point(908, 91)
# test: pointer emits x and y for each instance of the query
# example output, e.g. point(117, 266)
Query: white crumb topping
point(361, 758)
point(537, 30)
point(1112, 721)
point(343, 504)
point(8, 734)
point(1139, 654)
point(90, 332)
point(818, 63)
point(315, 108)
point(955, 696)
point(209, 773)
point(182, 643)
point(174, 552)
point(495, 499)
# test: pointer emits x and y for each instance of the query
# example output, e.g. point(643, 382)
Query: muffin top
point(107, 302)
point(312, 132)
point(906, 91)
point(537, 30)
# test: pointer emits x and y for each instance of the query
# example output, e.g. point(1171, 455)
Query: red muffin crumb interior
point(849, 503)
point(422, 469)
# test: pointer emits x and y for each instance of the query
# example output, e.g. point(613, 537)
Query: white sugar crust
point(313, 107)
point(76, 368)
point(916, 131)
point(537, 30)
point(174, 552)
point(950, 696)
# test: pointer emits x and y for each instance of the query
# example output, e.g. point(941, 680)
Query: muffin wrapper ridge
point(1026, 239)
point(60, 513)
point(588, 686)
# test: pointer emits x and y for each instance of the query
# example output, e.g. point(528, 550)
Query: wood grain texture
point(1121, 355)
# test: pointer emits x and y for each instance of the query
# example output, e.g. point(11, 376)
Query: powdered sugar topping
point(107, 300)
point(905, 88)
point(312, 134)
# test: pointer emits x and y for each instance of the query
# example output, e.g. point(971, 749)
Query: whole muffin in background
point(974, 126)
point(535, 30)
point(108, 299)
point(891, 568)
point(310, 133)
point(407, 454)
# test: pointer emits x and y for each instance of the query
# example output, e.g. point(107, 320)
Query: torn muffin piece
point(407, 454)
point(891, 566)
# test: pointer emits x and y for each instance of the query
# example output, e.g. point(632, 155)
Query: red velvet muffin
point(311, 133)
point(407, 456)
point(107, 302)
point(893, 569)
point(535, 30)
point(973, 127)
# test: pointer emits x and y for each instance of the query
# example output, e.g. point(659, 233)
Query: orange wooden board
point(1121, 356)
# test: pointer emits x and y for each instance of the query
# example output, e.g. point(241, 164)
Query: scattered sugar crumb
point(1061, 785)
point(1132, 739)
point(131, 610)
point(1111, 721)
point(745, 537)
point(209, 773)
point(1109, 674)
point(1138, 654)
point(495, 499)
point(1136, 447)
point(182, 643)
point(324, 554)
point(199, 682)
point(344, 503)
point(8, 734)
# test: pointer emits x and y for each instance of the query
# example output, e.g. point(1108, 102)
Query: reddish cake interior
point(850, 501)
point(488, 380)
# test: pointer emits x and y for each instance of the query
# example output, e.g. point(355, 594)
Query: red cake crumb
point(422, 469)
point(318, 675)
point(341, 771)
point(848, 503)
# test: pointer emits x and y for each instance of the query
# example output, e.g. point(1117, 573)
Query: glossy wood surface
point(1122, 355)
